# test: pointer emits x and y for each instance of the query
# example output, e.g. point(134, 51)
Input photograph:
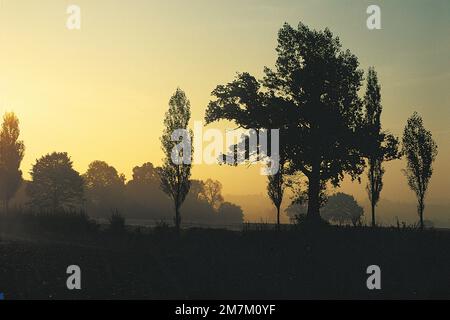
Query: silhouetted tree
point(312, 97)
point(339, 207)
point(197, 208)
point(275, 189)
point(296, 211)
point(11, 155)
point(342, 208)
point(420, 151)
point(104, 187)
point(144, 197)
point(197, 190)
point(175, 172)
point(381, 146)
point(145, 174)
point(212, 193)
point(230, 213)
point(55, 184)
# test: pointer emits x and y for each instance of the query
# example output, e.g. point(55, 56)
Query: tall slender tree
point(276, 185)
point(11, 154)
point(176, 169)
point(381, 146)
point(420, 151)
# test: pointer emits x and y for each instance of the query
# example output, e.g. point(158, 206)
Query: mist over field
point(257, 208)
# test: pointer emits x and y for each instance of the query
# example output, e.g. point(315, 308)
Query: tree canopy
point(379, 145)
point(175, 175)
point(55, 185)
point(104, 186)
point(11, 154)
point(420, 151)
point(212, 193)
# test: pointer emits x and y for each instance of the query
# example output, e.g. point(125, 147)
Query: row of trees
point(56, 186)
point(327, 130)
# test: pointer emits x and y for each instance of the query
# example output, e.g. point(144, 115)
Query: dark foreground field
point(212, 264)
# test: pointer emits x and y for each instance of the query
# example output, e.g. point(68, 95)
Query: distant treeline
point(102, 191)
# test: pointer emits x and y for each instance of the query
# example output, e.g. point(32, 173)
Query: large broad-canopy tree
point(55, 185)
point(145, 174)
point(312, 97)
point(343, 208)
point(145, 182)
point(144, 198)
point(105, 188)
point(230, 214)
point(338, 208)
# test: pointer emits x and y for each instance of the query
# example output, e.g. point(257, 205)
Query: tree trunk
point(421, 207)
point(373, 214)
point(177, 219)
point(313, 194)
point(278, 218)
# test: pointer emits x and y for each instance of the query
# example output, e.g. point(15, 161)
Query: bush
point(302, 221)
point(62, 222)
point(116, 223)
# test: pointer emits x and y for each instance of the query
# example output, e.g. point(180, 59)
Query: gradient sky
point(100, 93)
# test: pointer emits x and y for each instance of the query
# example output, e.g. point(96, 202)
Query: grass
point(329, 262)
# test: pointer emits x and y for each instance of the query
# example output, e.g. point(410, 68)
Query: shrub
point(61, 222)
point(116, 222)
